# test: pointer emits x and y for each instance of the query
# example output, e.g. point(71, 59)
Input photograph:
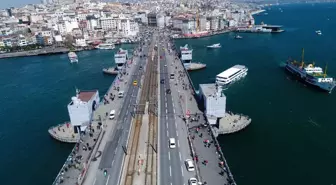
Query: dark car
point(162, 81)
point(168, 91)
point(140, 67)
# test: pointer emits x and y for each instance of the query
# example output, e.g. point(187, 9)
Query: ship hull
point(302, 78)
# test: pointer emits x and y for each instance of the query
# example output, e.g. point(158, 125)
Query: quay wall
point(212, 134)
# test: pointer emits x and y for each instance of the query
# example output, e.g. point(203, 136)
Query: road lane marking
point(176, 125)
point(167, 125)
point(167, 118)
point(180, 156)
point(166, 104)
point(112, 162)
point(176, 133)
point(182, 171)
point(174, 111)
point(173, 105)
point(178, 143)
point(108, 178)
point(167, 133)
point(94, 182)
point(170, 171)
point(166, 111)
point(169, 156)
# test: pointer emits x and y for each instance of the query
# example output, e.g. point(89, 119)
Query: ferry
point(107, 46)
point(214, 46)
point(186, 58)
point(311, 74)
point(231, 75)
point(318, 32)
point(121, 58)
point(73, 57)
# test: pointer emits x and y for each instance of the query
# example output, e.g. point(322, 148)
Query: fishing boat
point(318, 32)
point(238, 37)
point(215, 46)
point(73, 57)
point(311, 74)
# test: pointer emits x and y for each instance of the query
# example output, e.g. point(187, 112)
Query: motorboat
point(215, 46)
point(73, 57)
point(318, 32)
point(238, 37)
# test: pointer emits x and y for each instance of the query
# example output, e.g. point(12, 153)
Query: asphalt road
point(172, 168)
point(113, 153)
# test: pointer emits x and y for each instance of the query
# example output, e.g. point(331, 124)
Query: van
point(172, 76)
point(189, 165)
point(112, 113)
point(172, 143)
point(121, 94)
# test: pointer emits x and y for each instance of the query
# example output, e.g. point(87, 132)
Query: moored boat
point(107, 46)
point(238, 37)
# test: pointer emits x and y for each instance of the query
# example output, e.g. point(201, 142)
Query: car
point(135, 83)
point(140, 67)
point(162, 81)
point(112, 113)
point(189, 165)
point(165, 65)
point(192, 181)
point(168, 91)
point(172, 143)
point(121, 94)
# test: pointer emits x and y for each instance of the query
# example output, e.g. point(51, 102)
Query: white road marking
point(170, 170)
point(126, 112)
point(180, 156)
point(178, 143)
point(173, 105)
point(166, 104)
point(167, 133)
point(182, 171)
point(171, 183)
point(94, 182)
point(169, 156)
point(176, 133)
point(167, 118)
point(175, 124)
point(112, 163)
point(174, 111)
point(166, 111)
point(108, 178)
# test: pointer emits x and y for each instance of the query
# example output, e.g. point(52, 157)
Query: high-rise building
point(9, 12)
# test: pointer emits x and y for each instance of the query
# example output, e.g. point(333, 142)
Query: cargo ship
point(311, 74)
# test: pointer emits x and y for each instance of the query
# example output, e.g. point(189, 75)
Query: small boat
point(73, 57)
point(238, 37)
point(215, 46)
point(108, 46)
point(318, 32)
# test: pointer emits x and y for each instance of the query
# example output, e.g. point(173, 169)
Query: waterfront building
point(80, 41)
point(152, 19)
point(81, 109)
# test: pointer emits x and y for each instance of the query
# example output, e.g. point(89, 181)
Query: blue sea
point(291, 138)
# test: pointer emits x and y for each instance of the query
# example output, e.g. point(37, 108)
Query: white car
point(189, 165)
point(192, 181)
point(172, 143)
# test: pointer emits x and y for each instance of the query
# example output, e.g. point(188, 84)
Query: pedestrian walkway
point(210, 162)
point(75, 168)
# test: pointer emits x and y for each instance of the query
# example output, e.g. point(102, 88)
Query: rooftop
point(209, 90)
point(86, 96)
point(227, 73)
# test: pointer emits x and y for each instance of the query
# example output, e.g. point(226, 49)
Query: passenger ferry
point(108, 46)
point(214, 46)
point(73, 57)
point(231, 75)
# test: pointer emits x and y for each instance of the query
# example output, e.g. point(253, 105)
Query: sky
point(16, 3)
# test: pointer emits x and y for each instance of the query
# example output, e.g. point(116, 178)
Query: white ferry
point(73, 57)
point(231, 75)
point(215, 46)
point(105, 46)
point(120, 58)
